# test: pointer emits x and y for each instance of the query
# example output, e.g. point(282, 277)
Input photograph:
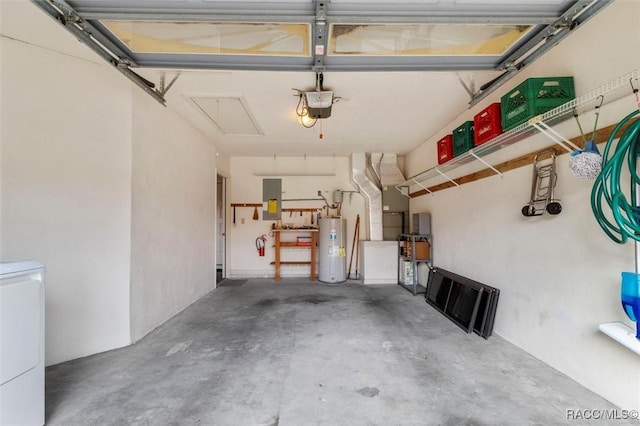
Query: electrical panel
point(272, 195)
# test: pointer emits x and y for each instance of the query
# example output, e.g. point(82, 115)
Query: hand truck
point(542, 186)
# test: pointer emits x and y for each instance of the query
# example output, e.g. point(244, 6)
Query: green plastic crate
point(462, 138)
point(533, 97)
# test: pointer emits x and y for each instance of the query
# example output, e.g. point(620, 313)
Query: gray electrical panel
point(272, 195)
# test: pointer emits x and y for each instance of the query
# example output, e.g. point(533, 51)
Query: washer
point(22, 343)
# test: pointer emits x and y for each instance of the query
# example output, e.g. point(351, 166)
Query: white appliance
point(21, 343)
point(379, 262)
point(332, 250)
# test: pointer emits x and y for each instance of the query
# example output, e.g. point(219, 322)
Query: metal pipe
point(372, 194)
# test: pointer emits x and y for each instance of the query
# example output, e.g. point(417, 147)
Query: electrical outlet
point(242, 221)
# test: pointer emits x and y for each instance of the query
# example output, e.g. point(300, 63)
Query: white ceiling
point(377, 111)
point(390, 112)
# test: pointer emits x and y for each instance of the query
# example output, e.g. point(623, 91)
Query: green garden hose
point(625, 212)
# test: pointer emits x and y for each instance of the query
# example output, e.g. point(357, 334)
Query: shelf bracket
point(87, 33)
point(421, 186)
point(498, 172)
point(447, 177)
point(164, 87)
point(400, 190)
point(470, 88)
point(554, 136)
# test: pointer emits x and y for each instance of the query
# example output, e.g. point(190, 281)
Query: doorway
point(220, 229)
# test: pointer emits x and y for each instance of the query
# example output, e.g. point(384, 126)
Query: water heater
point(332, 250)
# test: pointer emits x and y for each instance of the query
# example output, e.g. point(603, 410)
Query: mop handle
point(595, 125)
point(575, 115)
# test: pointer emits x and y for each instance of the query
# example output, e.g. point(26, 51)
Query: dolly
point(542, 186)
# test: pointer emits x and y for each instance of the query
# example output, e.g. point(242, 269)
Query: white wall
point(114, 193)
point(65, 174)
point(559, 276)
point(245, 186)
point(223, 164)
point(173, 224)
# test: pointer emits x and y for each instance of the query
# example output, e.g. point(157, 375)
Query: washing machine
point(22, 343)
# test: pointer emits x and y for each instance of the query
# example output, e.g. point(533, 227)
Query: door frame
point(221, 226)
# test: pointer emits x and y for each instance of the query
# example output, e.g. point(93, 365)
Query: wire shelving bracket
point(447, 177)
point(421, 186)
point(498, 172)
point(549, 132)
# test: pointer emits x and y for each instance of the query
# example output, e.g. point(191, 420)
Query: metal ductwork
point(371, 192)
point(386, 169)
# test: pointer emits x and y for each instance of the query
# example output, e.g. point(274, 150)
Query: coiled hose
point(607, 185)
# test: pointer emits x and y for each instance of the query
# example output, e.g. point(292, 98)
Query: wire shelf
point(614, 90)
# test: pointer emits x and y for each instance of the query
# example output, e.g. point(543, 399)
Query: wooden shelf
point(291, 244)
point(279, 245)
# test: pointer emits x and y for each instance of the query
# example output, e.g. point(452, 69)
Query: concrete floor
point(296, 353)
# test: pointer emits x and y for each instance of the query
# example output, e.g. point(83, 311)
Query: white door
point(221, 224)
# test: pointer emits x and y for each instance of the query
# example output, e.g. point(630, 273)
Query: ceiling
point(398, 70)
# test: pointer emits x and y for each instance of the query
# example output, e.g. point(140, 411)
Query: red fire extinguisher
point(260, 243)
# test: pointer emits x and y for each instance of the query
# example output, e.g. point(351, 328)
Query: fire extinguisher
point(260, 243)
